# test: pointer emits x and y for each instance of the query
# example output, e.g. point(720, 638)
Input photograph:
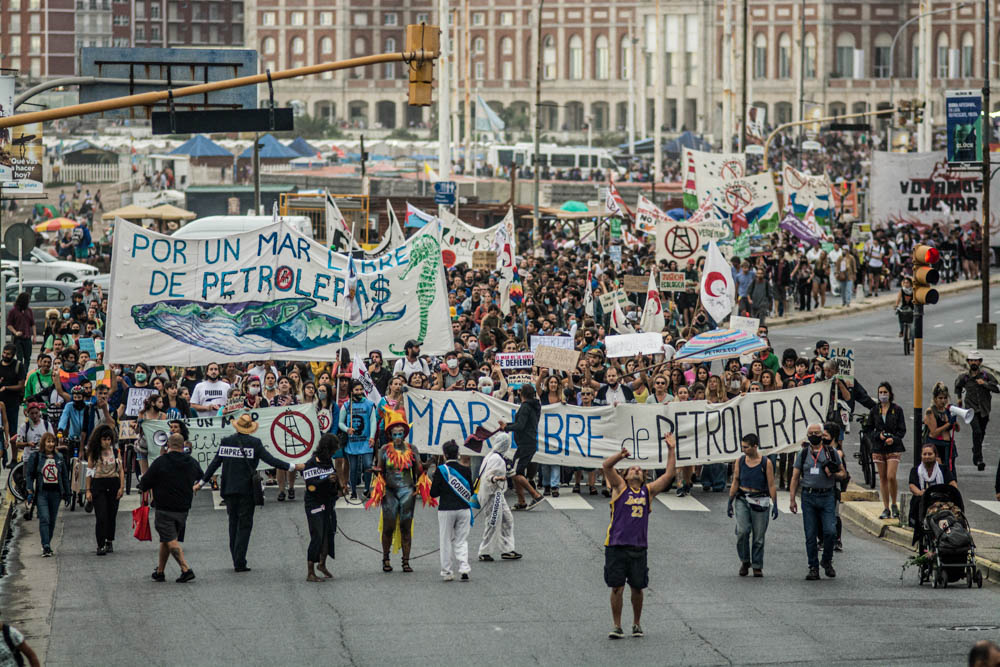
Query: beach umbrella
point(131, 212)
point(171, 212)
point(573, 206)
point(55, 225)
point(720, 344)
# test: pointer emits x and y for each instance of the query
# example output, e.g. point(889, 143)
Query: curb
point(828, 313)
point(902, 537)
point(6, 510)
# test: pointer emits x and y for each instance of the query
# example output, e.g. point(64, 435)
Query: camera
point(830, 465)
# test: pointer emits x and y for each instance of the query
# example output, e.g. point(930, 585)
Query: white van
point(215, 226)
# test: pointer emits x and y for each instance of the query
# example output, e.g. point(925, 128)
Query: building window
point(915, 59)
point(154, 33)
point(390, 19)
point(625, 58)
point(506, 18)
point(478, 18)
point(480, 71)
point(810, 65)
point(326, 18)
point(15, 22)
point(267, 45)
point(844, 56)
point(154, 10)
point(298, 46)
point(359, 49)
point(140, 10)
point(15, 44)
point(602, 64)
point(326, 45)
point(668, 66)
point(389, 71)
point(34, 23)
point(36, 44)
point(549, 58)
point(575, 57)
point(298, 18)
point(784, 56)
point(881, 67)
point(759, 56)
point(508, 70)
point(942, 56)
point(36, 67)
point(967, 55)
point(268, 18)
point(360, 18)
point(423, 17)
point(506, 46)
point(690, 68)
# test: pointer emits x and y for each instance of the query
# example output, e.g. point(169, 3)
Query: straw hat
point(245, 424)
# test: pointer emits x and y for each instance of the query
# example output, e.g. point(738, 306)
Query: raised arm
point(661, 482)
point(611, 475)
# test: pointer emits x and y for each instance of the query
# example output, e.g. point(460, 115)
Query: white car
point(40, 265)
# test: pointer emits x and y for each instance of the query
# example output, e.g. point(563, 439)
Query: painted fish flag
point(713, 170)
point(417, 218)
point(803, 190)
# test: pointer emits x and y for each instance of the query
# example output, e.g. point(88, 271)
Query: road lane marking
point(938, 326)
point(990, 505)
point(681, 504)
point(784, 499)
point(571, 501)
point(959, 321)
point(217, 500)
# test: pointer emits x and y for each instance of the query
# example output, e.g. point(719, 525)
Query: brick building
point(37, 37)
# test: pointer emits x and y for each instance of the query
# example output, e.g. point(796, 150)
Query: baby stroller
point(945, 539)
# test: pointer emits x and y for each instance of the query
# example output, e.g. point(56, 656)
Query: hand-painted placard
point(513, 360)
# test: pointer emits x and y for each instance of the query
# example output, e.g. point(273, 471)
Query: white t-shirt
point(211, 393)
point(403, 365)
point(6, 658)
point(32, 433)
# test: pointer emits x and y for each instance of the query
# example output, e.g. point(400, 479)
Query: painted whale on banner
point(251, 327)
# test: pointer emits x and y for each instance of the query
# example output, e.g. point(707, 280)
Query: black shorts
point(523, 466)
point(170, 525)
point(625, 564)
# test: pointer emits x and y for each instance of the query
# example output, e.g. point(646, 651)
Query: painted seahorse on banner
point(425, 253)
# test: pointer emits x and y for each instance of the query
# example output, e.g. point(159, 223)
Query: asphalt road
point(878, 353)
point(551, 608)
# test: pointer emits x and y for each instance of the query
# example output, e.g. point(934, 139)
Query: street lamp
point(892, 62)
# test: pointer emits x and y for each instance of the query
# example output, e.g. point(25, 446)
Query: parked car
point(40, 265)
point(43, 294)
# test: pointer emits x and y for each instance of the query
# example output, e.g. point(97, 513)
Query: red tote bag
point(140, 522)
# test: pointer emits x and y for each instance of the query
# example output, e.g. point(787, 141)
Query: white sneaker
point(447, 577)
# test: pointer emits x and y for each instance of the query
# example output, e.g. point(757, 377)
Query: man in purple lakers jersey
point(625, 545)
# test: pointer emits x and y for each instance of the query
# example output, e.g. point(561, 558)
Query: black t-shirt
point(10, 375)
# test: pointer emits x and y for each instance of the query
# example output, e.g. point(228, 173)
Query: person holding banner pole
point(626, 543)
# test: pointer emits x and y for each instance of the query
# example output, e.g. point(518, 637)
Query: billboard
point(20, 149)
point(964, 114)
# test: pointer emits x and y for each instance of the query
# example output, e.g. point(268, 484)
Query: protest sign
point(803, 190)
point(516, 380)
point(629, 345)
point(635, 283)
point(647, 215)
point(269, 293)
point(135, 398)
point(608, 300)
point(289, 433)
point(844, 356)
point(562, 342)
point(556, 358)
point(671, 280)
point(21, 149)
point(460, 241)
point(615, 253)
point(575, 436)
point(510, 360)
point(484, 260)
point(747, 324)
point(87, 345)
point(126, 430)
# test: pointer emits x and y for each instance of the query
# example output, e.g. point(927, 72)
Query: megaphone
point(964, 415)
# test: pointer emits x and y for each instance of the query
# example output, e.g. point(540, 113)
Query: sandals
point(486, 558)
point(511, 555)
point(406, 565)
point(281, 497)
point(386, 565)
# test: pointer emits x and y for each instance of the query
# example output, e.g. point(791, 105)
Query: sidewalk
point(991, 358)
point(865, 515)
point(860, 305)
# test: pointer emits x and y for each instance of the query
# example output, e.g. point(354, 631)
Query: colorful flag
point(690, 181)
point(415, 217)
point(431, 175)
point(588, 295)
point(718, 289)
point(652, 314)
point(614, 203)
point(360, 372)
point(618, 322)
point(647, 214)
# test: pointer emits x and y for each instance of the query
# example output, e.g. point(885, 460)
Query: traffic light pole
point(918, 379)
point(986, 331)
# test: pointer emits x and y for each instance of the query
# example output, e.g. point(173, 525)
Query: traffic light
point(918, 112)
point(423, 38)
point(925, 274)
point(904, 113)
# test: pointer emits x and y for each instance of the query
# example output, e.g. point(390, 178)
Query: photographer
point(818, 467)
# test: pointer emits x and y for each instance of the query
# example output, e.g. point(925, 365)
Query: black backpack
point(15, 652)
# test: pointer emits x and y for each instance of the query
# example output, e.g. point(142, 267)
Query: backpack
point(15, 652)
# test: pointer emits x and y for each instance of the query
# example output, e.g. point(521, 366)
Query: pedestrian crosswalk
point(991, 505)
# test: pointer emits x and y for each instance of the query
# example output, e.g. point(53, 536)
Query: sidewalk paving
point(864, 513)
point(860, 305)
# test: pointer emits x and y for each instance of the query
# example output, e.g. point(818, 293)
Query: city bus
point(555, 158)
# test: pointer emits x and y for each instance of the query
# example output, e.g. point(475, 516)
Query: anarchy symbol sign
point(681, 241)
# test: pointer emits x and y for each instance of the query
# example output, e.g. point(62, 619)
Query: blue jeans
point(360, 469)
point(747, 521)
point(846, 291)
point(47, 503)
point(819, 512)
point(551, 475)
point(713, 476)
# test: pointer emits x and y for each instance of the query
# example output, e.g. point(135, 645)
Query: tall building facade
point(37, 37)
point(180, 23)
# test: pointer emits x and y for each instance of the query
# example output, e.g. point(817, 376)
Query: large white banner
point(712, 170)
point(459, 240)
point(288, 433)
point(269, 294)
point(576, 436)
point(918, 189)
point(743, 202)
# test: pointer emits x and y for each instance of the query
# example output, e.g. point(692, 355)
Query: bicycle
point(864, 453)
point(905, 316)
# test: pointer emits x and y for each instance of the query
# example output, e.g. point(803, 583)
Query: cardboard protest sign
point(562, 342)
point(671, 280)
point(484, 260)
point(630, 345)
point(556, 358)
point(844, 356)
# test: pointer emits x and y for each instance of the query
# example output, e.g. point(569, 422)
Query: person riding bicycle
point(904, 304)
point(79, 419)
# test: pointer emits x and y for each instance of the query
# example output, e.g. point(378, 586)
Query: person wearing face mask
point(357, 420)
point(817, 469)
point(79, 419)
point(498, 531)
point(888, 427)
point(451, 379)
point(977, 385)
point(253, 399)
point(928, 472)
point(210, 394)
